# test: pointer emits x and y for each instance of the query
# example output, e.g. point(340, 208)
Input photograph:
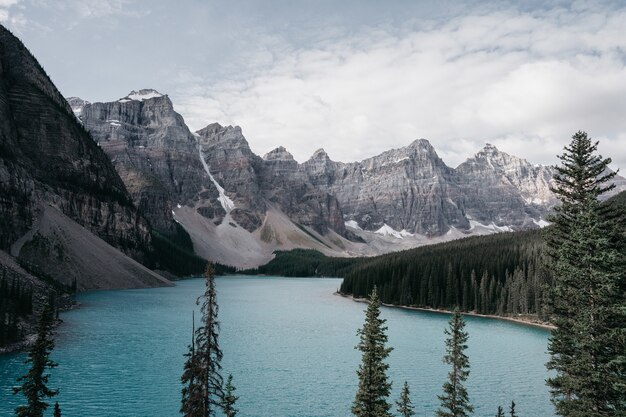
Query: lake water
point(289, 344)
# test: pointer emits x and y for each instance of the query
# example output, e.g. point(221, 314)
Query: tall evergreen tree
point(587, 260)
point(500, 412)
point(374, 388)
point(230, 399)
point(512, 412)
point(57, 410)
point(202, 392)
point(455, 401)
point(192, 404)
point(405, 408)
point(35, 383)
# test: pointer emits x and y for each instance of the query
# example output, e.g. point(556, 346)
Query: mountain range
point(239, 207)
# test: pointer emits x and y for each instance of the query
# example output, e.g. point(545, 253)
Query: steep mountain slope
point(408, 189)
point(239, 207)
point(153, 151)
point(49, 163)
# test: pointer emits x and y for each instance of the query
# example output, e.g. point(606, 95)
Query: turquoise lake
point(289, 344)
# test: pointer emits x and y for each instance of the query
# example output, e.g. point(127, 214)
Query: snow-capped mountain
point(239, 207)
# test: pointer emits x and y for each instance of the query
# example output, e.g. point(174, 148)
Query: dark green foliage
point(496, 274)
point(374, 388)
point(192, 403)
point(202, 391)
point(174, 255)
point(405, 408)
point(15, 302)
point(304, 263)
point(57, 410)
point(512, 412)
point(35, 383)
point(455, 401)
point(229, 398)
point(500, 412)
point(588, 261)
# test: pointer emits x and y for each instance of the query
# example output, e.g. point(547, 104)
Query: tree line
point(16, 301)
point(586, 258)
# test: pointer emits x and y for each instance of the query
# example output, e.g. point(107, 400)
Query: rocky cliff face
point(47, 159)
point(504, 189)
point(408, 189)
point(152, 150)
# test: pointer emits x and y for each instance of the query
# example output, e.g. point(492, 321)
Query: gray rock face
point(255, 183)
point(408, 189)
point(152, 150)
point(46, 157)
point(504, 189)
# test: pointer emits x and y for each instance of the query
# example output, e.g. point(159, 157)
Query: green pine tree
point(512, 412)
point(229, 398)
point(405, 408)
point(192, 404)
point(500, 412)
point(374, 388)
point(35, 383)
point(455, 401)
point(202, 392)
point(57, 410)
point(587, 261)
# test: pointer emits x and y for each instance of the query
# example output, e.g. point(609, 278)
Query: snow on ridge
point(490, 227)
point(140, 95)
point(224, 200)
point(541, 223)
point(387, 230)
point(353, 224)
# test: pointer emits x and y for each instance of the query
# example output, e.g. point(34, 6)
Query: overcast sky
point(355, 77)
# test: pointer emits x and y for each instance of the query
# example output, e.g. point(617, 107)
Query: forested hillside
point(497, 274)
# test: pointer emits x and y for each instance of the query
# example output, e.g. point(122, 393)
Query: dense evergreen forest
point(304, 263)
point(498, 274)
point(16, 302)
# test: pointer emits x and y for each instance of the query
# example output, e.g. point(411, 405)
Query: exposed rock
point(46, 157)
point(154, 153)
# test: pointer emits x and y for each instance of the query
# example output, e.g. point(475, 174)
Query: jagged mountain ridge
point(58, 190)
point(399, 199)
point(175, 175)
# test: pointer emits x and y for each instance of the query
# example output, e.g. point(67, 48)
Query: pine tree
point(192, 404)
point(35, 383)
point(587, 261)
point(57, 410)
point(202, 381)
point(374, 389)
point(405, 408)
point(455, 401)
point(229, 398)
point(500, 412)
point(512, 412)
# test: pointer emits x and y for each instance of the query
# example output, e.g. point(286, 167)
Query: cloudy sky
point(355, 77)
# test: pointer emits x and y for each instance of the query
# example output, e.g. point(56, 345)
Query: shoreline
point(518, 320)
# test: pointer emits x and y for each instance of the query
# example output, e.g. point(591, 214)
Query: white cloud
point(523, 81)
point(5, 6)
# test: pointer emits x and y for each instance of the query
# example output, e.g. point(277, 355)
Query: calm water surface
point(289, 344)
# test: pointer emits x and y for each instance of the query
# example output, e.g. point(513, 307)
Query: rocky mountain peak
point(141, 95)
point(278, 154)
point(77, 104)
point(320, 154)
point(227, 137)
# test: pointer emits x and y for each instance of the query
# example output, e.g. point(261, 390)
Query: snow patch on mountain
point(387, 230)
point(140, 95)
point(224, 200)
point(353, 224)
point(541, 223)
